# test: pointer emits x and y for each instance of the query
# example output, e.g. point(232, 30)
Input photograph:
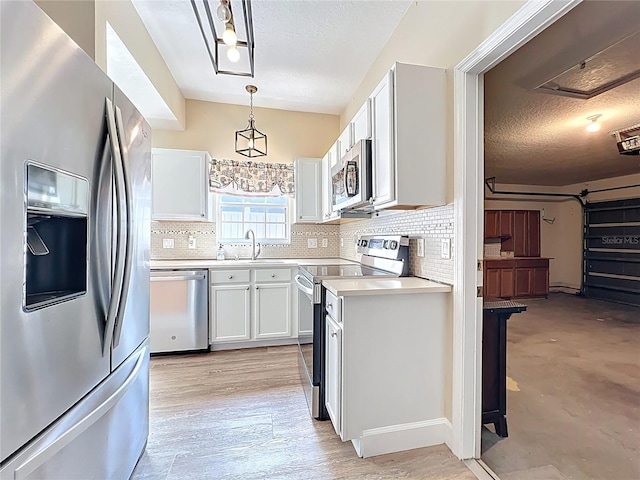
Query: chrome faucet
point(254, 255)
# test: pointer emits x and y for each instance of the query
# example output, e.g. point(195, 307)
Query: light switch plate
point(445, 248)
point(167, 243)
point(192, 242)
point(420, 244)
point(325, 243)
point(312, 243)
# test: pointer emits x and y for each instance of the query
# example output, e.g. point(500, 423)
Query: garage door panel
point(612, 251)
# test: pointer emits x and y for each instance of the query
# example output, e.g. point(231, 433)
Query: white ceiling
point(310, 55)
point(536, 138)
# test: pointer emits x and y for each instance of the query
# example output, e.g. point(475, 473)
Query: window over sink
point(268, 217)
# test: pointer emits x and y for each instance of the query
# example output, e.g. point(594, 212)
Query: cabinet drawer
point(332, 305)
point(533, 263)
point(273, 275)
point(499, 264)
point(229, 276)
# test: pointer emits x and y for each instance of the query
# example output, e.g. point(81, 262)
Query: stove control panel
point(385, 246)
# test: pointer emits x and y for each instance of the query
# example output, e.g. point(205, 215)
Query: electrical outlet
point(325, 243)
point(312, 243)
point(445, 251)
point(192, 242)
point(420, 247)
point(167, 243)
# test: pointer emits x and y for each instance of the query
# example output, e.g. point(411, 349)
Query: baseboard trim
point(215, 347)
point(396, 438)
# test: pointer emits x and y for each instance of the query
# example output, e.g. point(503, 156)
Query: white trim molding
point(396, 438)
point(466, 409)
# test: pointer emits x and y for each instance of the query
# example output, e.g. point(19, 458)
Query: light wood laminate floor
point(242, 414)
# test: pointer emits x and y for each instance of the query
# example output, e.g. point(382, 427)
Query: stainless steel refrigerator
point(74, 273)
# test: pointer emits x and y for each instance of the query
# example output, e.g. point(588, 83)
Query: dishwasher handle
point(177, 276)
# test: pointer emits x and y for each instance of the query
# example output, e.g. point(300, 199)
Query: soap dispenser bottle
point(220, 254)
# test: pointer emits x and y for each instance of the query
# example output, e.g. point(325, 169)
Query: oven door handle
point(300, 282)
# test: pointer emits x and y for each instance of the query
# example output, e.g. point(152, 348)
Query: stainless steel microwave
point(351, 178)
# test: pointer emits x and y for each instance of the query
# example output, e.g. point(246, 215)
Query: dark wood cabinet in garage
point(525, 240)
point(522, 277)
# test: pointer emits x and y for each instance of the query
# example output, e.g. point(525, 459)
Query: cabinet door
point(541, 281)
point(533, 240)
point(492, 282)
point(361, 123)
point(230, 315)
point(179, 181)
point(333, 386)
point(272, 310)
point(507, 283)
point(506, 223)
point(521, 233)
point(491, 223)
point(382, 142)
point(524, 282)
point(308, 190)
point(344, 141)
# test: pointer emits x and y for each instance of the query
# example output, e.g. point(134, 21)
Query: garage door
point(612, 251)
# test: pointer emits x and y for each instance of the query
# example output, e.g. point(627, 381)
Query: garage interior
point(573, 357)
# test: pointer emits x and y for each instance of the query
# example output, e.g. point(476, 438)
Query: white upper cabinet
point(408, 138)
point(382, 145)
point(344, 142)
point(308, 183)
point(361, 123)
point(180, 185)
point(328, 214)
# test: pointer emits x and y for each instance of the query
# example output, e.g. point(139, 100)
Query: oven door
point(310, 343)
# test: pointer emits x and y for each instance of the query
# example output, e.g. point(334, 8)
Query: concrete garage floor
point(573, 399)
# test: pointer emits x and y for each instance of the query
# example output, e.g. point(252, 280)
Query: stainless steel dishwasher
point(179, 318)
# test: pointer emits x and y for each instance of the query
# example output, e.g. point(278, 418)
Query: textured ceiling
point(535, 138)
point(309, 55)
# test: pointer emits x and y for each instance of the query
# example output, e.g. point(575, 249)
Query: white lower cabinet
point(333, 372)
point(230, 309)
point(272, 310)
point(386, 370)
point(249, 306)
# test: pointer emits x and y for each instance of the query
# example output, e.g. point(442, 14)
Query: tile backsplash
point(207, 246)
point(432, 224)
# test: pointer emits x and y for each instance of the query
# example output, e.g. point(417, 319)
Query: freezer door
point(52, 112)
point(132, 323)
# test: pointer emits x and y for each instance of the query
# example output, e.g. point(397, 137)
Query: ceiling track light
point(594, 126)
point(230, 39)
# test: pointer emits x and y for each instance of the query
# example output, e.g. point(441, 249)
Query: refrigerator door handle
point(128, 258)
point(118, 275)
point(46, 452)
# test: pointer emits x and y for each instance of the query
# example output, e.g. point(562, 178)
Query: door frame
point(526, 23)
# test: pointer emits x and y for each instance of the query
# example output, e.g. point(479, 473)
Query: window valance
point(251, 178)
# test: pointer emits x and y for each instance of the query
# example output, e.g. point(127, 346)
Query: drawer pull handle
point(333, 334)
point(329, 306)
point(230, 277)
point(273, 275)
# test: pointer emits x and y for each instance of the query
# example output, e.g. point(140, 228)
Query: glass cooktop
point(319, 272)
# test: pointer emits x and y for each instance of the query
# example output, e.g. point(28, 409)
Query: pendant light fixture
point(251, 142)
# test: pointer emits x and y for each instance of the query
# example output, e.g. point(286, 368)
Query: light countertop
point(260, 262)
point(383, 286)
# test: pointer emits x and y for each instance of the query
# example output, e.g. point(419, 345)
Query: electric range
point(382, 256)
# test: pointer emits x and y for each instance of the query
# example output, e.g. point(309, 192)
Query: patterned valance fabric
point(251, 178)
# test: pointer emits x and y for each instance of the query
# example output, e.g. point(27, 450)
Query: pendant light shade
point(251, 142)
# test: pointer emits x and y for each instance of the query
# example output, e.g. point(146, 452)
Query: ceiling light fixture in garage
point(239, 53)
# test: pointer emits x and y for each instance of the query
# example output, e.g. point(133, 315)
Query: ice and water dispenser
point(56, 236)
